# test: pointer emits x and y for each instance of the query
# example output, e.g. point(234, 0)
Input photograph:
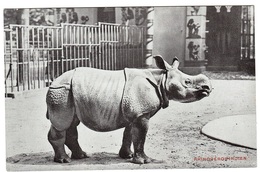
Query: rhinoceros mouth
point(203, 93)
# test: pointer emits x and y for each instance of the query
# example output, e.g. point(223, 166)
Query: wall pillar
point(149, 36)
point(195, 48)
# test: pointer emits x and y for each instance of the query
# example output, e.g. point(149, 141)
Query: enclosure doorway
point(224, 36)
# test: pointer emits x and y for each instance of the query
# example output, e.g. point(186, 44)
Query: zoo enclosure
point(35, 55)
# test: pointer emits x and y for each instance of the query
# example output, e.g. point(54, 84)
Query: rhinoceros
point(108, 100)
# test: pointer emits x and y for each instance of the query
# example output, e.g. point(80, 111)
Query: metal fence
point(35, 55)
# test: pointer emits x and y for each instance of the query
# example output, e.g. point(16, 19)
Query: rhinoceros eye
point(188, 82)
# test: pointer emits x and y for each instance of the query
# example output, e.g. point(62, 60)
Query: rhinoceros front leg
point(125, 151)
point(72, 140)
point(139, 131)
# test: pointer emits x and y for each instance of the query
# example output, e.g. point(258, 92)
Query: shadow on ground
point(46, 158)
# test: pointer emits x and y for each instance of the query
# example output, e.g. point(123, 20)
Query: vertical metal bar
point(58, 57)
point(120, 47)
point(127, 46)
point(43, 57)
point(83, 45)
point(33, 68)
point(87, 44)
point(133, 46)
point(39, 68)
point(74, 47)
point(101, 59)
point(5, 59)
point(38, 38)
point(78, 56)
point(106, 48)
point(86, 51)
point(17, 53)
point(109, 47)
point(113, 50)
point(34, 47)
point(61, 35)
point(91, 45)
point(249, 33)
point(142, 47)
point(52, 54)
point(82, 56)
point(70, 48)
point(65, 47)
point(80, 47)
point(82, 34)
point(26, 58)
point(28, 67)
point(85, 35)
point(48, 63)
point(37, 59)
point(117, 48)
point(11, 57)
point(33, 37)
point(115, 45)
point(23, 69)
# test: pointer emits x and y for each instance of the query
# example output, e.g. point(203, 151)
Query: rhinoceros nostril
point(205, 87)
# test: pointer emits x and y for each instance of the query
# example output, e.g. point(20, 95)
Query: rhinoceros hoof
point(62, 160)
point(125, 154)
point(141, 159)
point(79, 155)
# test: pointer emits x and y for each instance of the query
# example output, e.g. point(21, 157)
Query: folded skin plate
point(238, 130)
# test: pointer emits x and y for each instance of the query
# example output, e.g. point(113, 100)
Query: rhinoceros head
point(182, 87)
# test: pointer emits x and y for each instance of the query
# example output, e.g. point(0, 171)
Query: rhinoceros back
point(97, 97)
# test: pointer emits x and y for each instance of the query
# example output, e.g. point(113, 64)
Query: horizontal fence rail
point(35, 55)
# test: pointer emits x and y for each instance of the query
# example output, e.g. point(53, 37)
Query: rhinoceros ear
point(160, 63)
point(175, 62)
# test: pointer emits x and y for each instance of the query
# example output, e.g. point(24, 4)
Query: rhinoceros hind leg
point(125, 151)
point(72, 140)
point(57, 140)
point(139, 131)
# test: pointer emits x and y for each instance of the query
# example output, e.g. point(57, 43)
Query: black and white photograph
point(129, 87)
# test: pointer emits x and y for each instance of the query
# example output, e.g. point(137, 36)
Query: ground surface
point(174, 137)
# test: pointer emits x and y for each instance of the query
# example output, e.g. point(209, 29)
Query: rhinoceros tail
point(47, 115)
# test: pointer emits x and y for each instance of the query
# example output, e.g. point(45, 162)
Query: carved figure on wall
point(84, 19)
point(69, 16)
point(140, 16)
point(193, 51)
point(127, 14)
point(72, 15)
point(37, 17)
point(195, 10)
point(41, 17)
point(49, 17)
point(193, 29)
point(11, 17)
point(63, 18)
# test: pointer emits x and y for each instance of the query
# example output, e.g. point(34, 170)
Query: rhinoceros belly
point(97, 96)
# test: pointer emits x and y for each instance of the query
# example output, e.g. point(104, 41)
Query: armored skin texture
point(109, 100)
